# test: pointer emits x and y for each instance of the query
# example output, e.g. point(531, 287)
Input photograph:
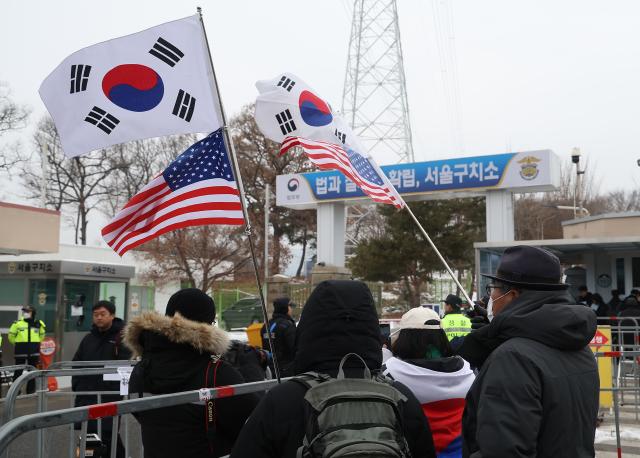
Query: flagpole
point(433, 245)
point(248, 229)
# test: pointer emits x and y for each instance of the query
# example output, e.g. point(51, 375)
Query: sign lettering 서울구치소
point(526, 170)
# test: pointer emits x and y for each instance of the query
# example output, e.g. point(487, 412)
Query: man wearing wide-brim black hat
point(536, 394)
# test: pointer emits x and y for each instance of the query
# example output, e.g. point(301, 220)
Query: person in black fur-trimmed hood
point(338, 318)
point(536, 394)
point(180, 352)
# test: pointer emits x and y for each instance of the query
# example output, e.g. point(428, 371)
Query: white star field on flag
point(205, 160)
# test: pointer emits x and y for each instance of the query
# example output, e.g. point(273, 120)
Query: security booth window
point(635, 272)
point(42, 297)
point(79, 297)
point(620, 284)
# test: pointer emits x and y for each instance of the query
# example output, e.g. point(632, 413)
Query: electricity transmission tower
point(374, 99)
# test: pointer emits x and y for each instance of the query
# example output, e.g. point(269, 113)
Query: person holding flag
point(160, 81)
point(289, 112)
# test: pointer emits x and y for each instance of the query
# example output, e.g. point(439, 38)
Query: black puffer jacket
point(338, 318)
point(99, 346)
point(176, 353)
point(537, 391)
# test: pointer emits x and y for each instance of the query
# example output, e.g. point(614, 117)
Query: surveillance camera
point(638, 161)
point(575, 155)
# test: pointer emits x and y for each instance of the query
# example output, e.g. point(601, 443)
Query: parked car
point(243, 313)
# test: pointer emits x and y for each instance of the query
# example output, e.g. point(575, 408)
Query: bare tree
point(74, 182)
point(260, 163)
point(623, 201)
point(12, 117)
point(537, 216)
point(201, 255)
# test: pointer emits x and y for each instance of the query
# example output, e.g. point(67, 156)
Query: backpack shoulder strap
point(310, 379)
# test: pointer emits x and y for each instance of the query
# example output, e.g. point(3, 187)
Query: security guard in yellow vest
point(26, 334)
point(455, 324)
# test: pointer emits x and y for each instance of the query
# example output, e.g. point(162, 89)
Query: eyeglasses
point(489, 288)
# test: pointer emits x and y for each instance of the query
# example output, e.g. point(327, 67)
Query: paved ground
point(57, 439)
point(629, 433)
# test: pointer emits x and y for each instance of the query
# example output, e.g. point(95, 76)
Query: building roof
point(569, 246)
point(588, 219)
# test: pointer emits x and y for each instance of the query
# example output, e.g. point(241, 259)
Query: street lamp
point(575, 158)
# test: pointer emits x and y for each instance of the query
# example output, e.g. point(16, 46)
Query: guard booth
point(62, 293)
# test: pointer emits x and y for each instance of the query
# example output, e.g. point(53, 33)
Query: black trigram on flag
point(286, 83)
point(340, 136)
point(79, 78)
point(184, 106)
point(166, 52)
point(285, 120)
point(101, 119)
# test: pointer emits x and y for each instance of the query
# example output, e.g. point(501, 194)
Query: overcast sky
point(532, 74)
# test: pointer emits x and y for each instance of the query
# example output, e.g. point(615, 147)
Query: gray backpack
point(352, 417)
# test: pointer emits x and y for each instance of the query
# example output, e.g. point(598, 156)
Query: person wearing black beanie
point(181, 351)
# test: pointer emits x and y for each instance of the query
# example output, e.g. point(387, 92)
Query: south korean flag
point(287, 106)
point(149, 84)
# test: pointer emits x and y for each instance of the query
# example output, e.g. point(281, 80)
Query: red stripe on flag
point(124, 216)
point(182, 225)
point(145, 194)
point(328, 156)
point(233, 206)
point(199, 192)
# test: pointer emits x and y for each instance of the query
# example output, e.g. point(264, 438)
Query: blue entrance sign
point(523, 172)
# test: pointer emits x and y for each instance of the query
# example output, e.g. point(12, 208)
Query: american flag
point(361, 170)
point(198, 188)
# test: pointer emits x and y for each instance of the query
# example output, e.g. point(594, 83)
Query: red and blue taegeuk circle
point(133, 87)
point(314, 110)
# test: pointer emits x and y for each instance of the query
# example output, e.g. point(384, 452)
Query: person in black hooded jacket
point(283, 335)
point(536, 394)
point(103, 343)
point(338, 318)
point(180, 352)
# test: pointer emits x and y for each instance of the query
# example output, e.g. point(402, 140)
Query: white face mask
point(490, 309)
point(26, 315)
point(490, 314)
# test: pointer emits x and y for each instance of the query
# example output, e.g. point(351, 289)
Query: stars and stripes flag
point(197, 188)
point(363, 171)
point(148, 84)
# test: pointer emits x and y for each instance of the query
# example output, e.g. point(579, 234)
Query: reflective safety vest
point(22, 331)
point(455, 325)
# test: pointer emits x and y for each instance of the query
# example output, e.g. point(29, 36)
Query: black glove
point(480, 310)
point(478, 322)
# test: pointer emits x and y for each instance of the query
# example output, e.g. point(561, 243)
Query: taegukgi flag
point(149, 84)
point(287, 106)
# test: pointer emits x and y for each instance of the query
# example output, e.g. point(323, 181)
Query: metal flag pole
point(444, 262)
point(248, 229)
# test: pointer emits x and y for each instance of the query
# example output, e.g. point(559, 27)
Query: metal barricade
point(5, 370)
point(618, 358)
point(625, 332)
point(84, 364)
point(40, 421)
point(40, 376)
